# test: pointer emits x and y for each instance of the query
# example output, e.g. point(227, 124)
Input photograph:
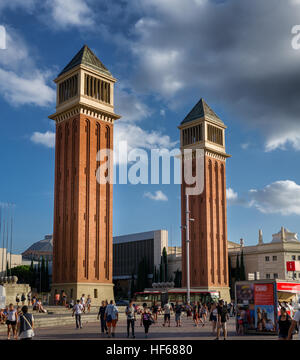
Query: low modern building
point(268, 260)
point(13, 260)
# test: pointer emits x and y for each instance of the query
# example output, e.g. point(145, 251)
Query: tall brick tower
point(82, 238)
point(203, 129)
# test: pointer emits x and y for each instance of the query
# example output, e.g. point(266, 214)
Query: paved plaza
point(91, 331)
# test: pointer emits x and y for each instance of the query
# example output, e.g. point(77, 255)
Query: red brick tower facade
point(203, 129)
point(82, 238)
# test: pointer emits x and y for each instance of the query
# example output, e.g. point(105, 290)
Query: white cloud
point(21, 81)
point(47, 139)
point(66, 13)
point(157, 196)
point(245, 146)
point(280, 197)
point(130, 106)
point(32, 89)
point(283, 138)
point(231, 196)
point(134, 111)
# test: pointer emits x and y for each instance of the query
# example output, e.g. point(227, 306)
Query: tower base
point(224, 293)
point(97, 291)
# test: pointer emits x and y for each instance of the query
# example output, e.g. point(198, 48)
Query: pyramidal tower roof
point(201, 110)
point(86, 57)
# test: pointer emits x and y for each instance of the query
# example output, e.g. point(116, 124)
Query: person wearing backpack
point(146, 319)
point(25, 325)
point(111, 318)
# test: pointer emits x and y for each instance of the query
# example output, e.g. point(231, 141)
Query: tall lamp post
point(187, 241)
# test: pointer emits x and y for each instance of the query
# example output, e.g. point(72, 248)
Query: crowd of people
point(200, 314)
point(20, 322)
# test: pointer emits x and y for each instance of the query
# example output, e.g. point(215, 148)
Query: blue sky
point(166, 54)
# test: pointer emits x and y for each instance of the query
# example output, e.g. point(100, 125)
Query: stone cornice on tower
point(84, 110)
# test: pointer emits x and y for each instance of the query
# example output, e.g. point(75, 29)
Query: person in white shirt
point(82, 300)
point(295, 322)
point(77, 311)
point(11, 322)
point(167, 314)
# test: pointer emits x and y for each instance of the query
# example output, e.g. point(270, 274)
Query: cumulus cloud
point(225, 51)
point(280, 197)
point(231, 196)
point(157, 196)
point(46, 139)
point(68, 13)
point(21, 81)
point(129, 129)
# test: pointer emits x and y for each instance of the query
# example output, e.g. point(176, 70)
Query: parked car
point(122, 303)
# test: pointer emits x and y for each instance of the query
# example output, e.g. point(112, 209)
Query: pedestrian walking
point(89, 303)
point(18, 299)
point(23, 298)
point(167, 314)
point(29, 298)
point(146, 319)
point(131, 318)
point(178, 311)
point(155, 311)
point(11, 321)
point(195, 315)
point(222, 320)
point(26, 325)
point(213, 317)
point(284, 324)
point(56, 298)
point(101, 315)
point(82, 301)
point(294, 325)
point(111, 317)
point(77, 311)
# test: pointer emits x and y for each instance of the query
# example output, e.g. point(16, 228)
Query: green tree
point(23, 272)
point(177, 279)
point(142, 275)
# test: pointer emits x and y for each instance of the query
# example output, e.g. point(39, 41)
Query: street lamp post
point(187, 234)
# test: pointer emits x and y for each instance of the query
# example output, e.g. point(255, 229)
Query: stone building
point(268, 259)
point(13, 260)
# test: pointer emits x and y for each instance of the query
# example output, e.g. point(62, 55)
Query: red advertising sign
point(290, 266)
point(293, 265)
point(264, 294)
point(288, 287)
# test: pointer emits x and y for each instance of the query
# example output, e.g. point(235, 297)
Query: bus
point(172, 295)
